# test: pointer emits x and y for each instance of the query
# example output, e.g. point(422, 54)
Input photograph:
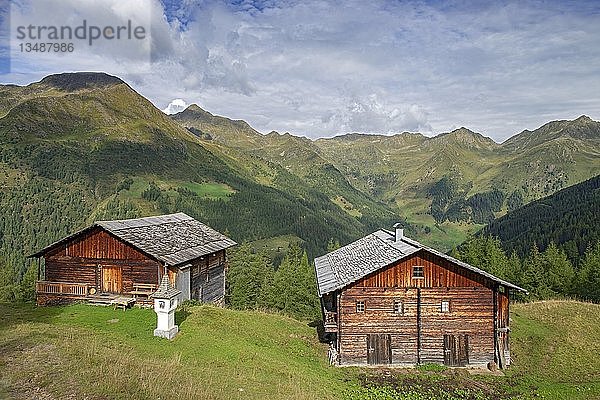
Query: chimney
point(399, 231)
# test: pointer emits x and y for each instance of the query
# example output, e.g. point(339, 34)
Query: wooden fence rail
point(67, 288)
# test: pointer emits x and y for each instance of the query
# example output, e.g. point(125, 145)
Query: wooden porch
point(330, 322)
point(48, 292)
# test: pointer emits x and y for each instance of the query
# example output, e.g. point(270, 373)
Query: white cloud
point(175, 106)
point(320, 68)
point(370, 115)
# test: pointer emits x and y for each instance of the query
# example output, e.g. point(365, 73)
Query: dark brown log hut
point(129, 257)
point(388, 299)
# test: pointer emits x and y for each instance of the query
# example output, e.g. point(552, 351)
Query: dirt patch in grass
point(450, 383)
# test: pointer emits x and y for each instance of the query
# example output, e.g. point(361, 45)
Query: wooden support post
point(418, 326)
point(497, 357)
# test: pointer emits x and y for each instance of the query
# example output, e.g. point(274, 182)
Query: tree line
point(544, 274)
point(253, 282)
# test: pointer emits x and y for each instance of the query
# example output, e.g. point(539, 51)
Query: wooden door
point(456, 350)
point(112, 279)
point(379, 349)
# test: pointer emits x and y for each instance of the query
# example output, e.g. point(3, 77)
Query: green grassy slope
point(93, 352)
point(445, 187)
point(296, 155)
point(85, 146)
point(555, 349)
point(97, 353)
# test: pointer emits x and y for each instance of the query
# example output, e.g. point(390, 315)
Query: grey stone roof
point(171, 239)
point(165, 290)
point(375, 251)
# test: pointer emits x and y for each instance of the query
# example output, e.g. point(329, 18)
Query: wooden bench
point(143, 289)
point(123, 302)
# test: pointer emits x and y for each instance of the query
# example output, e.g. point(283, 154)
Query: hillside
point(462, 176)
point(446, 187)
point(97, 353)
point(297, 155)
point(569, 218)
point(85, 146)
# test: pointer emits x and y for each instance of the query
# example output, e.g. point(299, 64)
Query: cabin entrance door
point(456, 350)
point(379, 349)
point(112, 279)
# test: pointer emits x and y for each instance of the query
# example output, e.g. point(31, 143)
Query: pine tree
point(333, 245)
point(559, 270)
point(514, 269)
point(534, 276)
point(27, 284)
point(485, 253)
point(8, 287)
point(295, 287)
point(587, 284)
point(248, 274)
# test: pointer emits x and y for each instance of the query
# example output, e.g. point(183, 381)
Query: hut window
point(398, 307)
point(418, 271)
point(445, 306)
point(360, 306)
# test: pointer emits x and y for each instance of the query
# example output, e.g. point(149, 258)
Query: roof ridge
point(99, 223)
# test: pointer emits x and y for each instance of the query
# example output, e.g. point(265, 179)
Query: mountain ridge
point(455, 176)
point(441, 187)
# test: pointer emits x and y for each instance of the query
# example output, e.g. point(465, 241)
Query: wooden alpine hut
point(129, 258)
point(389, 300)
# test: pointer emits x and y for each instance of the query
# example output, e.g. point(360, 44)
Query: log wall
point(208, 278)
point(82, 259)
point(417, 333)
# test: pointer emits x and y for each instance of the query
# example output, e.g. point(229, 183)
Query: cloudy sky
point(320, 68)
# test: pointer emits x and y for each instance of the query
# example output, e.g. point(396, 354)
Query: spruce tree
point(534, 277)
point(588, 278)
point(248, 274)
point(559, 270)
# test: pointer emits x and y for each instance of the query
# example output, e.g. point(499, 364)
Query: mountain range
point(84, 146)
point(444, 186)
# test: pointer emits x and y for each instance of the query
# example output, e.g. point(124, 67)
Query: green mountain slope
point(299, 156)
point(79, 147)
point(569, 218)
point(446, 187)
point(456, 182)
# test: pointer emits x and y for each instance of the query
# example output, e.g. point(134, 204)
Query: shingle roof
point(172, 239)
point(377, 250)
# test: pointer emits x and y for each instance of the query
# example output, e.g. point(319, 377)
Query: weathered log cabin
point(387, 299)
point(129, 258)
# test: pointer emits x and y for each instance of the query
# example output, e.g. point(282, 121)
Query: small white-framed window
point(398, 307)
point(418, 272)
point(445, 306)
point(360, 306)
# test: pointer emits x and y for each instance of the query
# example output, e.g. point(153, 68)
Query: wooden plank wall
point(208, 278)
point(437, 271)
point(81, 261)
point(378, 317)
point(471, 312)
point(503, 309)
point(98, 244)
